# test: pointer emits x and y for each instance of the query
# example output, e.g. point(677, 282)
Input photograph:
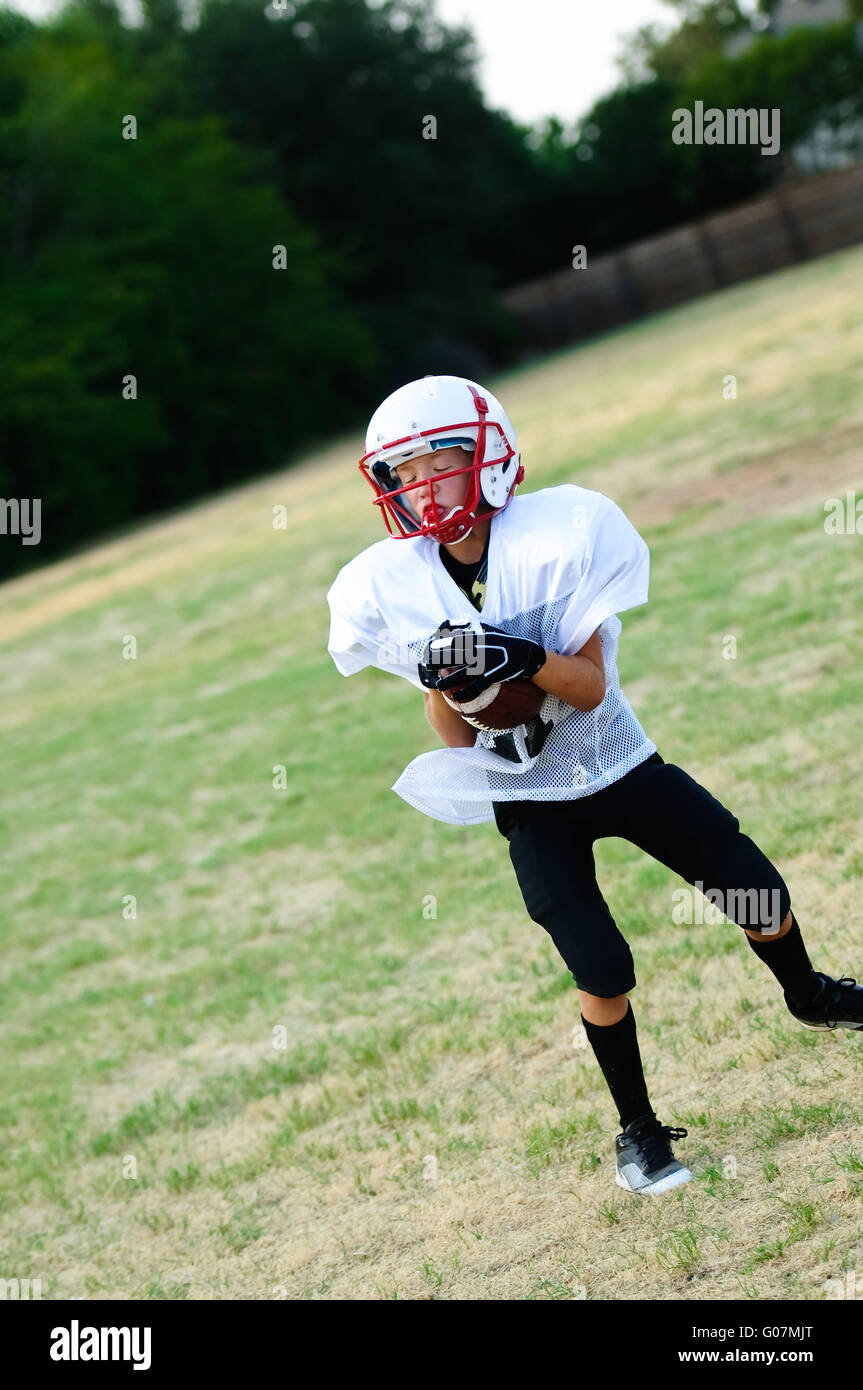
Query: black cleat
point(644, 1159)
point(838, 1004)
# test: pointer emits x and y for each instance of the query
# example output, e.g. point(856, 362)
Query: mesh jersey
point(562, 562)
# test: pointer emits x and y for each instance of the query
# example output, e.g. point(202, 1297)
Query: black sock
point(790, 964)
point(616, 1049)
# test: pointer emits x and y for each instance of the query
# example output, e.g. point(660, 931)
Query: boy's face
point(449, 493)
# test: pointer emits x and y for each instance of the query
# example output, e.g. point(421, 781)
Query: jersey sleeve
point(615, 571)
point(356, 642)
point(347, 649)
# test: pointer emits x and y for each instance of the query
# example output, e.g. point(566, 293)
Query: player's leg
point(601, 1011)
point(676, 820)
point(556, 873)
point(553, 860)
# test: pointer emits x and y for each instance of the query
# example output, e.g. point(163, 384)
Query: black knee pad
point(614, 974)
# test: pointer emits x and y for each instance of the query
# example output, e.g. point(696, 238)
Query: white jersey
point(562, 562)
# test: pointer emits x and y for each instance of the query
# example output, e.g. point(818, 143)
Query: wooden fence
point(796, 222)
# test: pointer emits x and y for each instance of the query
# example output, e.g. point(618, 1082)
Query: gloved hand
point(479, 658)
point(449, 645)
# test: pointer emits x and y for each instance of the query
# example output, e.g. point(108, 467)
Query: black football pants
point(661, 809)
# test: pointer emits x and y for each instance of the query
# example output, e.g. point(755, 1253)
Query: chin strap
point(441, 526)
point(467, 533)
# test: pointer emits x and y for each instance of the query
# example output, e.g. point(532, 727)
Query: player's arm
point(579, 680)
point(447, 722)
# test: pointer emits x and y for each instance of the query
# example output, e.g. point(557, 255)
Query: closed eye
point(406, 481)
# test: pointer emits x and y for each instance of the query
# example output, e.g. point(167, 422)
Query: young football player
point(549, 572)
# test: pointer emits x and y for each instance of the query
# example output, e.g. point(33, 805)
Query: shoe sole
point(664, 1185)
point(823, 1028)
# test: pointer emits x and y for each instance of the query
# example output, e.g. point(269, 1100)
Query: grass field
point(281, 1078)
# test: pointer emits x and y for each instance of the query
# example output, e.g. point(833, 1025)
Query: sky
point(550, 57)
point(538, 58)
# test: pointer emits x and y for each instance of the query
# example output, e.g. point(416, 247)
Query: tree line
point(223, 240)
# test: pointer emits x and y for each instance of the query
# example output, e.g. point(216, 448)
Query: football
point(504, 705)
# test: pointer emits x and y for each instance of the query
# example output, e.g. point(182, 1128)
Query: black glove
point(445, 647)
point(479, 658)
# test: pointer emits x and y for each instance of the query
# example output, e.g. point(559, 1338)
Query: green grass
point(239, 1059)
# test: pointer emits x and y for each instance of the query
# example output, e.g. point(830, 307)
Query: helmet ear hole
point(496, 482)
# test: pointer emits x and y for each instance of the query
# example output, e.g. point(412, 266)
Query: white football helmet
point(437, 412)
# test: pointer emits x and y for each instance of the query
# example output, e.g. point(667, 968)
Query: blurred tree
point(380, 136)
point(813, 76)
point(102, 15)
point(628, 180)
point(163, 18)
point(704, 29)
point(621, 168)
point(149, 257)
